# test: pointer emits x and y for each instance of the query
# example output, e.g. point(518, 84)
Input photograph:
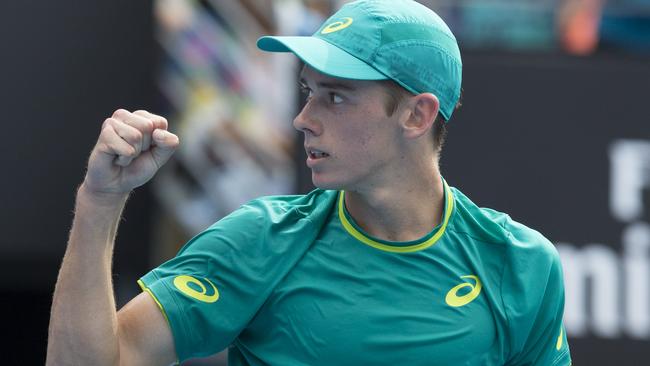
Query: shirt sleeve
point(533, 296)
point(214, 286)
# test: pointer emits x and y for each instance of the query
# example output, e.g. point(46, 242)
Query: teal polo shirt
point(293, 280)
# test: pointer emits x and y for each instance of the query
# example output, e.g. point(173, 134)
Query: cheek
point(357, 134)
point(373, 122)
point(362, 138)
point(363, 131)
point(374, 140)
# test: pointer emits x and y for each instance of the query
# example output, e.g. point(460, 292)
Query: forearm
point(83, 324)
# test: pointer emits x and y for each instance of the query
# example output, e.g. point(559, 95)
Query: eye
point(305, 91)
point(335, 98)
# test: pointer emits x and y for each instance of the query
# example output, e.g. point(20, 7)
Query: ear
point(422, 111)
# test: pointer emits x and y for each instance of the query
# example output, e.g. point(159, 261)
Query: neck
point(400, 212)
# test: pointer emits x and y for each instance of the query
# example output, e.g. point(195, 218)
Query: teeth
point(317, 154)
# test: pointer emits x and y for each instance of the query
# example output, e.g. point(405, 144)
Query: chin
point(323, 182)
point(327, 185)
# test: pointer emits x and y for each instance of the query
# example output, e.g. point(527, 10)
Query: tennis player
point(383, 264)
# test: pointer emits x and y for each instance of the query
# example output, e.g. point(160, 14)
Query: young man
point(383, 264)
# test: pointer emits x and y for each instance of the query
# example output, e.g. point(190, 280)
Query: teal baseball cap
point(400, 40)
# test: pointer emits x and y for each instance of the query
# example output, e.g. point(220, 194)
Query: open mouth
point(316, 154)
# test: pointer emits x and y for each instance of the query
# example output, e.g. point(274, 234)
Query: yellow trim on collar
point(449, 206)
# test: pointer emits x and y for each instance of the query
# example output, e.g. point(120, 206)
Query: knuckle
point(153, 118)
point(106, 130)
point(102, 146)
point(149, 123)
point(148, 126)
point(130, 152)
point(120, 113)
point(137, 136)
point(107, 122)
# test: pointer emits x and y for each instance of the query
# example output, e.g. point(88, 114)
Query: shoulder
point(281, 209)
point(266, 222)
point(495, 227)
point(530, 290)
point(273, 217)
point(528, 260)
point(298, 206)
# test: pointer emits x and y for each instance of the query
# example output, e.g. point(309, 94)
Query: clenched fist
point(130, 149)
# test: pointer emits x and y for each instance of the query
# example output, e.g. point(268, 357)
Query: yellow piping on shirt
point(395, 249)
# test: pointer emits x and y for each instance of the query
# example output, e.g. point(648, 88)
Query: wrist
point(101, 199)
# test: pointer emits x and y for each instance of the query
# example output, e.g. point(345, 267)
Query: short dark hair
point(396, 94)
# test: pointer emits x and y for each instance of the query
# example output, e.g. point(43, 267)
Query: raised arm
point(85, 328)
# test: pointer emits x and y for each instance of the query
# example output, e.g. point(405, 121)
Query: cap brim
point(322, 56)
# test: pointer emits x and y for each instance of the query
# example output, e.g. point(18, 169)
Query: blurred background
point(554, 130)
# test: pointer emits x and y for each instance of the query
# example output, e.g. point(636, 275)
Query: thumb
point(165, 145)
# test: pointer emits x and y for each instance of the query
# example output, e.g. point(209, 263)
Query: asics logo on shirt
point(337, 26)
point(454, 300)
point(182, 283)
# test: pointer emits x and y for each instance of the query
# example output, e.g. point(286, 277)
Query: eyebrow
point(329, 85)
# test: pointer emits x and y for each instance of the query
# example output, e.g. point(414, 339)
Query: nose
point(307, 122)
